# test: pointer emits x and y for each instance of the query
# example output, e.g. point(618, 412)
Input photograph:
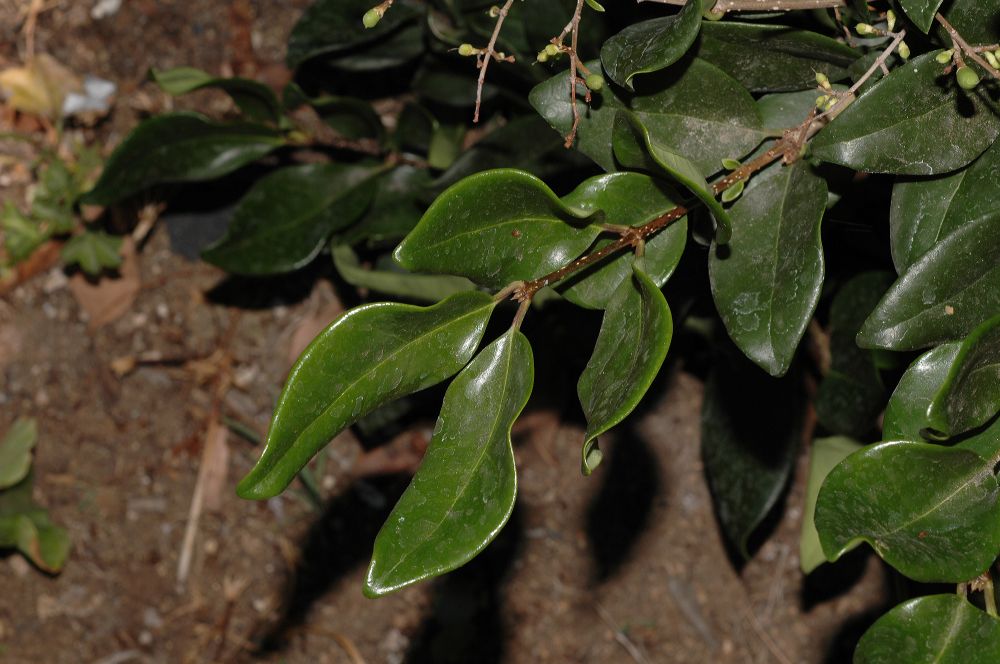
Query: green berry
point(595, 82)
point(551, 50)
point(372, 17)
point(466, 50)
point(967, 77)
point(904, 50)
point(542, 56)
point(944, 57)
point(864, 29)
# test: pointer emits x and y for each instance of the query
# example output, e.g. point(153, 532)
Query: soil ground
point(625, 566)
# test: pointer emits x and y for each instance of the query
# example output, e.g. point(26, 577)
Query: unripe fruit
point(371, 17)
point(904, 50)
point(466, 50)
point(944, 57)
point(551, 50)
point(542, 56)
point(967, 77)
point(595, 82)
point(864, 29)
point(992, 59)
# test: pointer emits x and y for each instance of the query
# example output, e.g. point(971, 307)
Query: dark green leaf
point(451, 85)
point(630, 349)
point(970, 395)
point(921, 12)
point(975, 20)
point(627, 199)
point(445, 146)
point(351, 118)
point(651, 45)
point(767, 282)
point(927, 210)
point(637, 147)
point(15, 451)
point(398, 283)
point(773, 58)
point(464, 491)
point(906, 416)
point(394, 210)
point(929, 511)
point(395, 50)
point(934, 127)
point(256, 101)
point(93, 251)
point(851, 394)
point(826, 453)
point(938, 629)
point(751, 426)
point(286, 218)
point(366, 358)
point(330, 26)
point(694, 110)
point(789, 109)
point(943, 296)
point(496, 227)
point(179, 147)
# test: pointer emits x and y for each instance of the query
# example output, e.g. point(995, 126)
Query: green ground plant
point(829, 167)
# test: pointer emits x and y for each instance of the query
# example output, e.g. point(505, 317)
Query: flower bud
point(864, 29)
point(466, 50)
point(371, 17)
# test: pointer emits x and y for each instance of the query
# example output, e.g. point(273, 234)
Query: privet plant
point(611, 143)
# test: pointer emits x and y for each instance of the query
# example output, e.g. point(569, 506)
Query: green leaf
point(350, 117)
point(496, 227)
point(631, 346)
point(395, 208)
point(767, 282)
point(751, 426)
point(366, 358)
point(450, 85)
point(975, 20)
point(826, 453)
point(773, 58)
point(937, 629)
point(929, 511)
point(398, 283)
point(331, 26)
point(695, 110)
point(637, 147)
point(464, 491)
point(851, 394)
point(927, 210)
point(21, 235)
point(93, 251)
point(906, 416)
point(52, 201)
point(15, 451)
point(921, 12)
point(933, 128)
point(789, 109)
point(179, 147)
point(26, 527)
point(944, 295)
point(651, 45)
point(394, 50)
point(970, 395)
point(254, 99)
point(628, 199)
point(286, 218)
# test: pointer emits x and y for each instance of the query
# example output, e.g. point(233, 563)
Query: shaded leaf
point(975, 20)
point(944, 295)
point(15, 451)
point(906, 416)
point(366, 358)
point(627, 199)
point(21, 235)
point(93, 251)
point(921, 12)
point(651, 45)
point(394, 210)
point(179, 147)
point(254, 99)
point(826, 453)
point(398, 48)
point(496, 227)
point(282, 223)
point(934, 127)
point(937, 629)
point(464, 491)
point(767, 282)
point(330, 26)
point(27, 527)
point(970, 394)
point(631, 346)
point(398, 283)
point(927, 210)
point(929, 511)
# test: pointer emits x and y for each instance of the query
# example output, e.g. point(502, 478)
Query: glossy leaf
point(626, 199)
point(637, 147)
point(936, 629)
point(395, 208)
point(366, 358)
point(15, 451)
point(906, 416)
point(773, 58)
point(931, 512)
point(927, 210)
point(331, 26)
point(970, 395)
point(464, 491)
point(93, 251)
point(933, 128)
point(975, 20)
point(748, 444)
point(851, 394)
point(631, 346)
point(26, 526)
point(826, 453)
point(767, 282)
point(179, 147)
point(943, 296)
point(398, 283)
point(651, 45)
point(695, 110)
point(921, 12)
point(282, 223)
point(496, 227)
point(254, 99)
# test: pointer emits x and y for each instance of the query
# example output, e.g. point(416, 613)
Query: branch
point(962, 45)
point(489, 55)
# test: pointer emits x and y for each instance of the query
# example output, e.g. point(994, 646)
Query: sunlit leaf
point(15, 451)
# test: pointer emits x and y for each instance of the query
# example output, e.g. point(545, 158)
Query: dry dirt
point(625, 566)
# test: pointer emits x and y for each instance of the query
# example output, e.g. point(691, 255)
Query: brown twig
point(963, 46)
point(762, 5)
point(490, 54)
